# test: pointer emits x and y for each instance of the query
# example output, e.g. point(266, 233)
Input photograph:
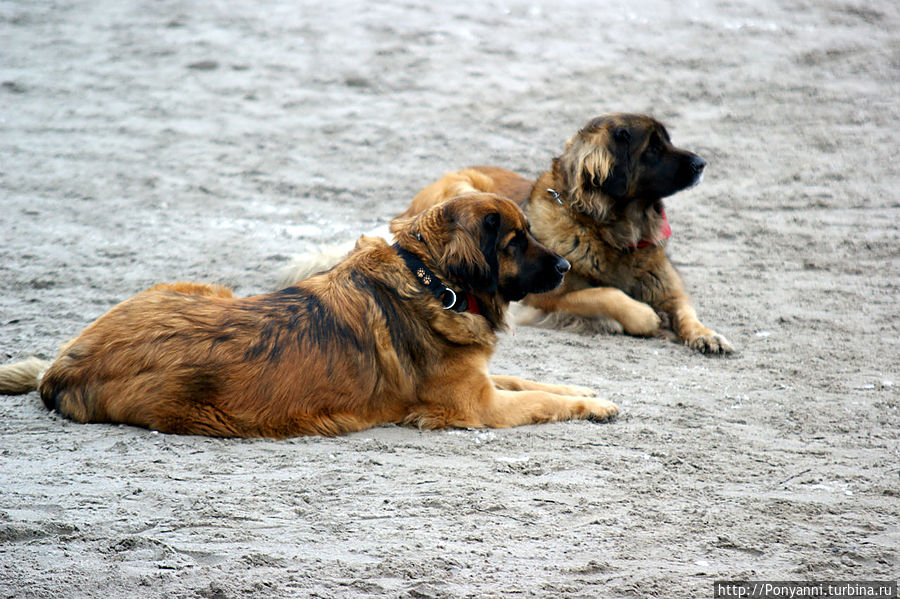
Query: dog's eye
point(519, 241)
point(652, 153)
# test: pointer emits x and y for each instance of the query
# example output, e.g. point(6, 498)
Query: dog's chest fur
point(595, 261)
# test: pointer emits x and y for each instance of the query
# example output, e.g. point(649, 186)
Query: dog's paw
point(640, 320)
point(710, 342)
point(600, 410)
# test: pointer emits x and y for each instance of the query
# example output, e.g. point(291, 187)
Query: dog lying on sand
point(393, 334)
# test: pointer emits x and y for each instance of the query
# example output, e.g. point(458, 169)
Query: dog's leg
point(675, 302)
point(693, 332)
point(636, 318)
point(513, 383)
point(515, 408)
point(480, 404)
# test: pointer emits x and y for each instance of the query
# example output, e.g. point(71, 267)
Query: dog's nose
point(562, 266)
point(697, 164)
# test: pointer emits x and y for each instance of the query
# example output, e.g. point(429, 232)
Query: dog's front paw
point(600, 410)
point(640, 320)
point(710, 342)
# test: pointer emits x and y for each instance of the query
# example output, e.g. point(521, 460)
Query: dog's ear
point(470, 254)
point(616, 181)
point(587, 163)
point(401, 225)
point(490, 240)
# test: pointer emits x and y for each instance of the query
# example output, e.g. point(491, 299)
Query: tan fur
point(21, 377)
point(479, 179)
point(362, 345)
point(594, 231)
point(586, 156)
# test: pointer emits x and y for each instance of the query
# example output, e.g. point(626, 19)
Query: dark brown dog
point(397, 334)
point(600, 206)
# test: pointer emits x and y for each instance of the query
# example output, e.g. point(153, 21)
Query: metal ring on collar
point(452, 303)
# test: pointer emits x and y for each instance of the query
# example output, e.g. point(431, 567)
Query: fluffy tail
point(22, 377)
point(321, 258)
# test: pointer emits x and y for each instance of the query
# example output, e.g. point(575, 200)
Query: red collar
point(665, 231)
point(472, 303)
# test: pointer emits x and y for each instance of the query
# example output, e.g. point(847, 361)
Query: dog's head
point(481, 243)
point(620, 159)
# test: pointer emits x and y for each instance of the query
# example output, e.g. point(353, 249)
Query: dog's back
point(489, 179)
point(192, 359)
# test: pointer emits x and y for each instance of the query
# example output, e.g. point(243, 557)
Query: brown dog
point(398, 334)
point(600, 206)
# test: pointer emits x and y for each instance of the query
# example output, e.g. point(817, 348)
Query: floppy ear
point(616, 181)
point(490, 239)
point(400, 225)
point(588, 163)
point(470, 257)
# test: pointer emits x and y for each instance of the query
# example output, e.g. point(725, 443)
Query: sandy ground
point(157, 141)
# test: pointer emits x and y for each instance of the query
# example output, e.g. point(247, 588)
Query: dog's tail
point(321, 258)
point(21, 377)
